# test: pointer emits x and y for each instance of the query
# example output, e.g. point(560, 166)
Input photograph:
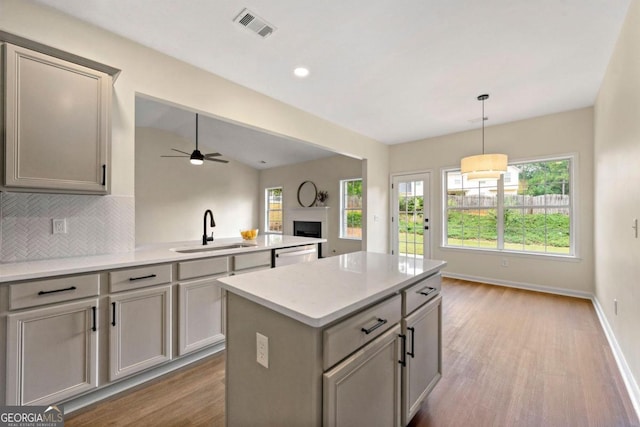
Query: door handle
point(113, 314)
point(70, 288)
point(94, 327)
point(403, 360)
point(413, 335)
point(430, 291)
point(374, 327)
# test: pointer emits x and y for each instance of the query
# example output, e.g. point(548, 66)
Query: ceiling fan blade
point(174, 156)
point(213, 155)
point(217, 160)
point(183, 152)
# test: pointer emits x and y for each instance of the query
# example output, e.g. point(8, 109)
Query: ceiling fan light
point(196, 158)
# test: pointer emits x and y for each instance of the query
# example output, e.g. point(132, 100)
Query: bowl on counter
point(250, 234)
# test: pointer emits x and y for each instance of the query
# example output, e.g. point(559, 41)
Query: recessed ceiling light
point(301, 72)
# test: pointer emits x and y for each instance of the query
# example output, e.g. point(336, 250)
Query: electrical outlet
point(504, 262)
point(262, 350)
point(59, 226)
point(615, 306)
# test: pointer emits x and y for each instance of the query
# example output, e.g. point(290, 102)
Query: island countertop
point(319, 292)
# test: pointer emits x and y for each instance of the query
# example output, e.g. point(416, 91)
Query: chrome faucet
point(206, 239)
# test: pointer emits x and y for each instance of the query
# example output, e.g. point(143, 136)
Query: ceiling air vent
point(249, 20)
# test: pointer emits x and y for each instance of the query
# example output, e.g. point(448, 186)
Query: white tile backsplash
point(95, 225)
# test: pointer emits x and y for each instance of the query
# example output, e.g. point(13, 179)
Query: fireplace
point(308, 229)
point(309, 222)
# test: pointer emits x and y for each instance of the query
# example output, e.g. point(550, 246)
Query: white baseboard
point(135, 380)
point(521, 285)
point(623, 367)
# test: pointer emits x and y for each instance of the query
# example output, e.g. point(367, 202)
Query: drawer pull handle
point(150, 276)
point(104, 174)
point(70, 288)
point(113, 314)
point(413, 334)
point(94, 327)
point(374, 327)
point(403, 361)
point(430, 291)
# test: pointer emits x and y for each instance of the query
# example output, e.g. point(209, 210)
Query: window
point(351, 209)
point(529, 210)
point(273, 207)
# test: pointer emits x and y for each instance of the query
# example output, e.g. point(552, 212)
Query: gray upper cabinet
point(57, 124)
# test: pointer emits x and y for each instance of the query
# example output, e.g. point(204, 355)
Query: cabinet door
point(57, 123)
point(200, 314)
point(364, 390)
point(423, 370)
point(51, 353)
point(140, 330)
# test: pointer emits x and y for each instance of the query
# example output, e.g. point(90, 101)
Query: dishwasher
point(295, 255)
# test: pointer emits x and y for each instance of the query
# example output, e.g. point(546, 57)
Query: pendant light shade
point(483, 166)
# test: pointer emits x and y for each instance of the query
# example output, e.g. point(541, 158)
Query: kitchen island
point(338, 341)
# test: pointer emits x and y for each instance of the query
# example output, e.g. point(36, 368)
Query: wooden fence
point(550, 203)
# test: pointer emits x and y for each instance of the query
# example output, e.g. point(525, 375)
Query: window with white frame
point(531, 211)
point(351, 209)
point(273, 208)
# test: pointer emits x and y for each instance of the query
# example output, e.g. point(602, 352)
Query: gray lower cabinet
point(200, 314)
point(423, 370)
point(56, 122)
point(365, 388)
point(201, 303)
point(52, 353)
point(139, 330)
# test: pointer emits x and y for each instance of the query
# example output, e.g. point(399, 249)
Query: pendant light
point(483, 166)
point(196, 157)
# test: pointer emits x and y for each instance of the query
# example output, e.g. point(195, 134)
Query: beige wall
point(148, 72)
point(172, 194)
point(564, 133)
point(617, 197)
point(326, 174)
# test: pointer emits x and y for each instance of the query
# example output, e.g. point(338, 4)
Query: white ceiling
point(255, 148)
point(395, 71)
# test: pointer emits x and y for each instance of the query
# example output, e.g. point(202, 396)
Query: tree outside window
point(351, 209)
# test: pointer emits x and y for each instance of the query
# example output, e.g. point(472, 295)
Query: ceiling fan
point(197, 158)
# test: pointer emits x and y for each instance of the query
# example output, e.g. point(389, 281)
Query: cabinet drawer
point(40, 292)
point(420, 293)
point(256, 259)
point(349, 335)
point(202, 267)
point(134, 278)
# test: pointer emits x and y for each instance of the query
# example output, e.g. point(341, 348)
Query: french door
point(410, 216)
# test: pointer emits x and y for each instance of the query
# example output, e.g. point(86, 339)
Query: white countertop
point(319, 292)
point(143, 255)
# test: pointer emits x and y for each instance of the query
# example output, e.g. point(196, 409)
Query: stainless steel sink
point(212, 248)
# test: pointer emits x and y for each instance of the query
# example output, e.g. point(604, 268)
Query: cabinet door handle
point(403, 360)
point(113, 314)
point(142, 277)
point(94, 327)
point(104, 174)
point(413, 335)
point(374, 327)
point(430, 291)
point(70, 288)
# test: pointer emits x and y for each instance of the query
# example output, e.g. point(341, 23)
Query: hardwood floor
point(511, 358)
